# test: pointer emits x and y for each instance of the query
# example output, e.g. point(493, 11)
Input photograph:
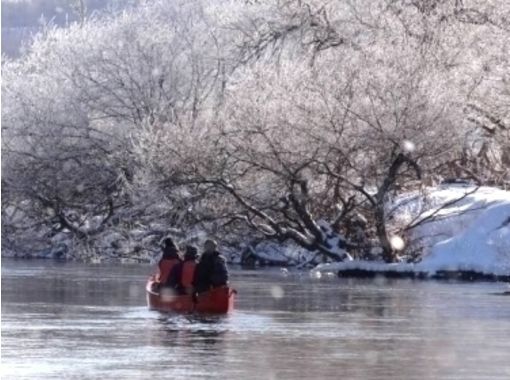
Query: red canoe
point(214, 301)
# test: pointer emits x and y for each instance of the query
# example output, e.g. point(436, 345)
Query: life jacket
point(188, 272)
point(165, 267)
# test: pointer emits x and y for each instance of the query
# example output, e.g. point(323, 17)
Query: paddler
point(211, 271)
point(169, 260)
point(182, 275)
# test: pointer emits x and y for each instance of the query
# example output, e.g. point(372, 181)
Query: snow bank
point(463, 229)
point(484, 246)
point(363, 265)
point(270, 253)
point(443, 212)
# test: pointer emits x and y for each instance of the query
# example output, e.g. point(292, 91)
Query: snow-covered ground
point(458, 228)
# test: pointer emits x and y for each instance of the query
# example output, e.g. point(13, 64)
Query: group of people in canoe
point(186, 273)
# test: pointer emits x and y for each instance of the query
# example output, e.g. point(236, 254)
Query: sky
point(21, 19)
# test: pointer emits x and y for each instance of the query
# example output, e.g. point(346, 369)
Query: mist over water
point(70, 320)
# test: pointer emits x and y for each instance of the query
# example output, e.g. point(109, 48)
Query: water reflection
point(190, 329)
point(78, 321)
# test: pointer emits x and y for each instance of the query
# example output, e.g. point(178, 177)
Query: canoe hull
point(215, 301)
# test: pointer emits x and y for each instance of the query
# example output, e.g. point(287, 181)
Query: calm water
point(76, 321)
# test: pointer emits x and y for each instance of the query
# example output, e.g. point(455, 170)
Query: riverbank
point(463, 233)
point(459, 231)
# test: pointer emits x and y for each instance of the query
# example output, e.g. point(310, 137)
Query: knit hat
point(191, 252)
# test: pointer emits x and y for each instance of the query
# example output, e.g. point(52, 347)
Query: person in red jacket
point(188, 267)
point(182, 275)
point(170, 259)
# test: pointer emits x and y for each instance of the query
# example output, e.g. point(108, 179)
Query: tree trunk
point(388, 252)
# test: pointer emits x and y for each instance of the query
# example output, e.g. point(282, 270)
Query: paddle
point(194, 299)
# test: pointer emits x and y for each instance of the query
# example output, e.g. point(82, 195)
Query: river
point(77, 321)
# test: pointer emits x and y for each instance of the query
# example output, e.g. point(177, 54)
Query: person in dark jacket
point(211, 271)
point(182, 275)
point(170, 259)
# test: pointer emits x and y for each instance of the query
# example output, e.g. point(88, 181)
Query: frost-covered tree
point(395, 74)
point(73, 104)
point(292, 121)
